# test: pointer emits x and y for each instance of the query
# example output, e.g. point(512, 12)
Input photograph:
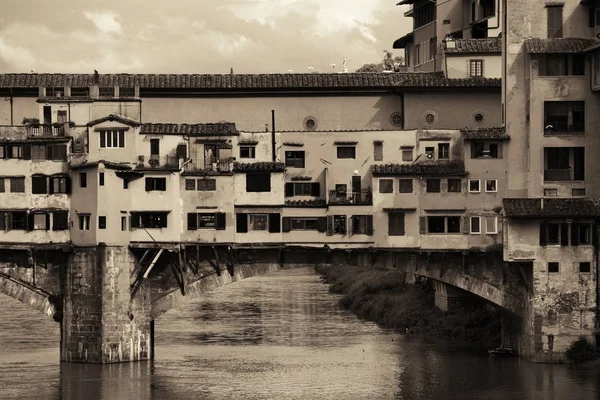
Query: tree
point(389, 63)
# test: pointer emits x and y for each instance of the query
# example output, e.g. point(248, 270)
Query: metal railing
point(365, 196)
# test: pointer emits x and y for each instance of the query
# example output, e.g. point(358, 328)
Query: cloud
point(105, 21)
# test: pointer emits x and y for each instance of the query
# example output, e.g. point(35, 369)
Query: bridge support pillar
point(101, 322)
point(447, 297)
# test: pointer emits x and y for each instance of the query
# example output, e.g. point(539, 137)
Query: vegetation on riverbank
point(380, 295)
point(582, 351)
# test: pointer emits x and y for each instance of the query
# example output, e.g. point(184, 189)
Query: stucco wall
point(457, 66)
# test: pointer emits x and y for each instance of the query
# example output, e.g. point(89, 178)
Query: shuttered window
point(396, 224)
point(378, 151)
point(555, 21)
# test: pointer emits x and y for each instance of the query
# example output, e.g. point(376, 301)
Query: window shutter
point(192, 221)
point(181, 151)
point(315, 189)
point(241, 222)
point(595, 234)
point(401, 225)
point(289, 189)
point(564, 234)
point(592, 17)
point(9, 220)
point(29, 222)
point(47, 222)
point(135, 220)
point(275, 223)
point(322, 224)
point(220, 221)
point(329, 225)
point(369, 225)
point(464, 221)
point(350, 225)
point(2, 221)
point(422, 224)
point(543, 234)
point(121, 139)
point(50, 185)
point(68, 184)
point(286, 224)
point(148, 184)
point(574, 234)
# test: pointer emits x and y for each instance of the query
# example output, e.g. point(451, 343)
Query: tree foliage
point(389, 63)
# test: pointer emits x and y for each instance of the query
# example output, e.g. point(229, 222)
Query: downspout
point(11, 107)
point(273, 135)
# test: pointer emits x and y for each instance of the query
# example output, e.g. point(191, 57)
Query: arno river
point(281, 336)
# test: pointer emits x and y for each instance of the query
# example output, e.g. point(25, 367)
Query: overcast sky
point(196, 36)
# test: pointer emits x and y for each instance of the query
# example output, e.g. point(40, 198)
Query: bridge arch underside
point(32, 296)
point(484, 275)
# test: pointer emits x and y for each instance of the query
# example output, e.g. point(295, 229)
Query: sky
point(196, 36)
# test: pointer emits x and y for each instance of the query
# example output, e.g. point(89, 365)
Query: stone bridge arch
point(33, 296)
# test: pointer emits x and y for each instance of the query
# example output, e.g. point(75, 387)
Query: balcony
point(364, 197)
point(45, 131)
point(224, 165)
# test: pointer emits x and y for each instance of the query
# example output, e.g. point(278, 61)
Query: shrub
point(581, 350)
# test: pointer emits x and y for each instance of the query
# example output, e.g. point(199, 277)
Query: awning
point(401, 43)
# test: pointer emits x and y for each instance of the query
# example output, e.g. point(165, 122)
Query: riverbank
point(381, 296)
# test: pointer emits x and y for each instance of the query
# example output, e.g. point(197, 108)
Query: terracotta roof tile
point(461, 46)
point(537, 208)
point(262, 166)
point(246, 82)
point(557, 46)
point(217, 129)
point(485, 134)
point(422, 168)
point(113, 117)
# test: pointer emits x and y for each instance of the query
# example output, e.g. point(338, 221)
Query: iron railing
point(365, 196)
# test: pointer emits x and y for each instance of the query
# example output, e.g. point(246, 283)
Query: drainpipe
point(273, 135)
point(11, 107)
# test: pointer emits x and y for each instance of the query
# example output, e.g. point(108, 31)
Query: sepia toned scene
point(296, 199)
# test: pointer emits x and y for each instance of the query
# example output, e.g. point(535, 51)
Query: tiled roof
point(421, 168)
point(113, 117)
point(490, 45)
point(222, 128)
point(249, 81)
point(107, 164)
point(557, 46)
point(485, 134)
point(262, 166)
point(536, 208)
point(306, 203)
point(592, 47)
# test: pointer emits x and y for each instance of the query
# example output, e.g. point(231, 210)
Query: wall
point(113, 203)
point(272, 198)
point(457, 66)
point(84, 200)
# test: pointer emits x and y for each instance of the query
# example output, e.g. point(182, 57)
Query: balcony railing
point(46, 131)
point(222, 165)
point(557, 175)
point(365, 196)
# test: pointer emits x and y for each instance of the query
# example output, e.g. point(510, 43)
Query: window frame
point(406, 151)
point(387, 184)
point(487, 220)
point(156, 184)
point(252, 219)
point(589, 267)
point(401, 230)
point(21, 185)
point(488, 147)
point(478, 219)
point(553, 264)
point(443, 151)
point(451, 185)
point(251, 151)
point(108, 137)
point(476, 68)
point(293, 160)
point(471, 190)
point(206, 185)
point(405, 181)
point(433, 180)
point(495, 181)
point(84, 221)
point(344, 153)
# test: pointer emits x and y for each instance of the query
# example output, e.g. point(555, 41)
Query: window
point(123, 223)
point(550, 192)
point(553, 267)
point(154, 147)
point(82, 179)
point(362, 225)
point(41, 222)
point(304, 224)
point(475, 225)
point(562, 65)
point(585, 267)
point(475, 68)
point(484, 150)
point(339, 224)
point(247, 151)
point(207, 185)
point(581, 234)
point(190, 184)
point(107, 91)
point(258, 182)
point(56, 152)
point(443, 224)
point(564, 163)
point(302, 189)
point(39, 184)
point(378, 151)
point(17, 185)
point(112, 139)
point(564, 116)
point(395, 224)
point(258, 222)
point(386, 186)
point(38, 152)
point(80, 92)
point(405, 185)
point(84, 222)
point(59, 185)
point(61, 116)
point(424, 14)
point(294, 159)
point(454, 185)
point(430, 152)
point(346, 152)
point(151, 220)
point(206, 220)
point(474, 186)
point(156, 184)
point(125, 183)
point(101, 178)
point(2, 185)
point(407, 154)
point(491, 225)
point(443, 151)
point(554, 234)
point(578, 192)
point(54, 91)
point(433, 185)
point(126, 91)
point(14, 151)
point(60, 221)
point(491, 185)
point(102, 222)
point(555, 21)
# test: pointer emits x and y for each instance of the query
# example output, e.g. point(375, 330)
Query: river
point(281, 336)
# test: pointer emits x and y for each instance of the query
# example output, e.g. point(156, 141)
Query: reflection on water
point(280, 336)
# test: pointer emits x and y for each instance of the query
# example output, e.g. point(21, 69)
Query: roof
point(401, 42)
point(113, 117)
point(422, 168)
point(485, 134)
point(536, 208)
point(592, 47)
point(262, 166)
point(209, 129)
point(250, 81)
point(557, 46)
point(107, 164)
point(462, 46)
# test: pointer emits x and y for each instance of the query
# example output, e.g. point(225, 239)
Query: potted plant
point(153, 162)
point(31, 121)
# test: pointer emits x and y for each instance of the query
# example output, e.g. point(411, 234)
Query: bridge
point(106, 298)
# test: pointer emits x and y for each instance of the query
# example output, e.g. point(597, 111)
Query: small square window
point(491, 185)
point(407, 154)
point(550, 192)
point(346, 152)
point(454, 185)
point(82, 179)
point(443, 151)
point(491, 225)
point(405, 185)
point(190, 184)
point(102, 222)
point(474, 186)
point(386, 186)
point(247, 151)
point(585, 267)
point(433, 185)
point(475, 225)
point(553, 267)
